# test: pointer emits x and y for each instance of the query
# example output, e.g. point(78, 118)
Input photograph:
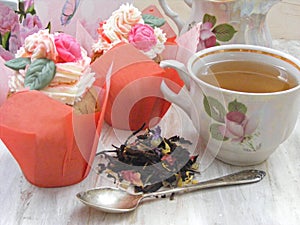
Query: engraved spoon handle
point(242, 177)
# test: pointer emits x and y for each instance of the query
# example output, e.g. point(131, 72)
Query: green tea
point(247, 76)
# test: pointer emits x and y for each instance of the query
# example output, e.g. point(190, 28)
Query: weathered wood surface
point(274, 200)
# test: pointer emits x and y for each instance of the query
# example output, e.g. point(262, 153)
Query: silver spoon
point(115, 200)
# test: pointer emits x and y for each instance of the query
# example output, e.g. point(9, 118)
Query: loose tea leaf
point(151, 161)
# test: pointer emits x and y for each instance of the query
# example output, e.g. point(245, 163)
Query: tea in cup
point(242, 99)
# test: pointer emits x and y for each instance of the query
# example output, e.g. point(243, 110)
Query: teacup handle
point(180, 68)
point(173, 15)
point(183, 99)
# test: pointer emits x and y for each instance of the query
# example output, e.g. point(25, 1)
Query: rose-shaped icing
point(142, 37)
point(67, 47)
point(39, 45)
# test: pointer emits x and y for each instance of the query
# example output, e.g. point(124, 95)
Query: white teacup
point(236, 126)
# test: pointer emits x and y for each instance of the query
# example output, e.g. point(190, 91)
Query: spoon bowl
point(115, 200)
point(110, 199)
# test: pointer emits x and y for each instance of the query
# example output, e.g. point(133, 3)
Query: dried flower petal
point(132, 177)
point(151, 161)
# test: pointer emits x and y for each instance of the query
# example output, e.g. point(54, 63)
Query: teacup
point(242, 99)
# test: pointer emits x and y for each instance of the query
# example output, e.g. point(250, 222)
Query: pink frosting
point(142, 36)
point(67, 48)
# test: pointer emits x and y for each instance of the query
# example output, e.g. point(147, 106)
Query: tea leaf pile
point(151, 161)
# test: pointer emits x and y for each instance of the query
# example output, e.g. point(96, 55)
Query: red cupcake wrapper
point(53, 145)
point(135, 97)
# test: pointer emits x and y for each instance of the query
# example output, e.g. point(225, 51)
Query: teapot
point(248, 17)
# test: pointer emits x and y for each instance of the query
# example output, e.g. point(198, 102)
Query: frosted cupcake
point(56, 65)
point(52, 120)
point(135, 43)
point(128, 25)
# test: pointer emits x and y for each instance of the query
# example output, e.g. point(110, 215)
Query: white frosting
point(71, 81)
point(38, 45)
point(104, 46)
point(118, 26)
point(16, 82)
point(161, 40)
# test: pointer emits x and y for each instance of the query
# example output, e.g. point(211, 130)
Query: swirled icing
point(121, 21)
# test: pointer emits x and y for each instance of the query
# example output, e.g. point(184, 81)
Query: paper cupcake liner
point(53, 145)
point(135, 97)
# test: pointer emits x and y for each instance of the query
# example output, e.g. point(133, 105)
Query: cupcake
point(52, 120)
point(57, 66)
point(134, 42)
point(128, 25)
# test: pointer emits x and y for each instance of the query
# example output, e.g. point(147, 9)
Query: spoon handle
point(242, 177)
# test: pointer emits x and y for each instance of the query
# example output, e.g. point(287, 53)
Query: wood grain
point(274, 200)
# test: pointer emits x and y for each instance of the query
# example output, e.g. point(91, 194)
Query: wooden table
point(274, 200)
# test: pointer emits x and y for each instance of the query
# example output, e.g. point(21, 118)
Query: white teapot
point(248, 17)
